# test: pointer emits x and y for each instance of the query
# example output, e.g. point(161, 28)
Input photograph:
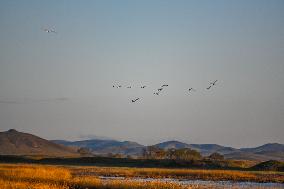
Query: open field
point(50, 177)
point(22, 176)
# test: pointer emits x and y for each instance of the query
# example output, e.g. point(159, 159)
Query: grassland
point(48, 177)
point(23, 176)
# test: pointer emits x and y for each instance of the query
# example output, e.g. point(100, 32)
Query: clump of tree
point(84, 151)
point(183, 154)
point(153, 152)
point(114, 155)
point(216, 156)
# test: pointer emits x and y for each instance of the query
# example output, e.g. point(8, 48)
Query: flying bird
point(134, 100)
point(157, 93)
point(213, 83)
point(165, 85)
point(160, 89)
point(129, 87)
point(47, 30)
point(142, 87)
point(191, 89)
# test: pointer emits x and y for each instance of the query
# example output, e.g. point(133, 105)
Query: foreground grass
point(21, 176)
point(49, 177)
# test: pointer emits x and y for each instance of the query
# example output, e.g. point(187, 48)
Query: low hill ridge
point(13, 142)
point(99, 146)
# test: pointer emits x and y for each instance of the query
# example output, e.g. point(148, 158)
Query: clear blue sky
point(59, 86)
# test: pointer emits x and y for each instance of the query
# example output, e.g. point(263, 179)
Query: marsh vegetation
point(22, 176)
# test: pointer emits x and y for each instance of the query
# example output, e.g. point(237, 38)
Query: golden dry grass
point(33, 177)
point(23, 176)
point(53, 177)
point(28, 185)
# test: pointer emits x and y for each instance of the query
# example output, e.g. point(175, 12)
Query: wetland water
point(213, 184)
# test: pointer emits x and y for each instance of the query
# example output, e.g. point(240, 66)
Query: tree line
point(153, 152)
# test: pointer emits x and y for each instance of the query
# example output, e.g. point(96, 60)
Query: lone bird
point(142, 87)
point(191, 89)
point(157, 93)
point(49, 30)
point(134, 100)
point(165, 85)
point(129, 87)
point(160, 89)
point(209, 87)
point(213, 83)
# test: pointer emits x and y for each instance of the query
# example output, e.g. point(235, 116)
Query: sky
point(60, 85)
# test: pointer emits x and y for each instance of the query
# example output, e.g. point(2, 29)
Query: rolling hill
point(172, 144)
point(13, 142)
point(270, 165)
point(266, 148)
point(270, 151)
point(262, 153)
point(103, 147)
point(204, 149)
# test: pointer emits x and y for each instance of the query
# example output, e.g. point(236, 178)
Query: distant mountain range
point(104, 147)
point(13, 142)
point(204, 149)
point(271, 151)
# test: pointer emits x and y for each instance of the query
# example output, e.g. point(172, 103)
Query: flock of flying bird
point(52, 30)
point(162, 88)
